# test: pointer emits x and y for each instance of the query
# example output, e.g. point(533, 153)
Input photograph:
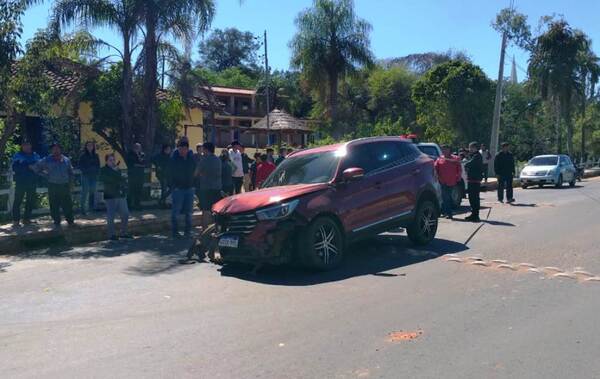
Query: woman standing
point(115, 188)
point(89, 164)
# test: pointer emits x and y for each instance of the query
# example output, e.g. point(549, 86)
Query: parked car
point(319, 200)
point(549, 169)
point(434, 151)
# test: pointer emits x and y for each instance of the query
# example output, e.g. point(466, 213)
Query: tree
point(230, 48)
point(454, 103)
point(589, 74)
point(331, 42)
point(122, 15)
point(182, 20)
point(420, 63)
point(390, 94)
point(554, 66)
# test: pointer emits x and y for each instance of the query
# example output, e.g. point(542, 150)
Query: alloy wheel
point(326, 243)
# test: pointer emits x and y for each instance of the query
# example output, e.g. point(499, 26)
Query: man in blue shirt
point(58, 171)
point(25, 183)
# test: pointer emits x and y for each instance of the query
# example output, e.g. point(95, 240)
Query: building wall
point(85, 115)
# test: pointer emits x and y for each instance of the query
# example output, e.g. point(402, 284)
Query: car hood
point(250, 201)
point(538, 168)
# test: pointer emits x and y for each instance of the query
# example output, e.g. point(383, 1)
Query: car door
point(570, 168)
point(359, 202)
point(564, 168)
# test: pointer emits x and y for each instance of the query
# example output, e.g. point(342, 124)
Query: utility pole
point(497, 105)
point(267, 91)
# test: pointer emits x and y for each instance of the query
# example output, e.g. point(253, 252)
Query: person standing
point(115, 188)
point(486, 157)
point(263, 170)
point(281, 156)
point(209, 170)
point(161, 163)
point(58, 171)
point(504, 166)
point(253, 167)
point(25, 183)
point(238, 173)
point(448, 169)
point(246, 163)
point(89, 164)
point(226, 174)
point(474, 168)
point(270, 155)
point(136, 163)
point(183, 167)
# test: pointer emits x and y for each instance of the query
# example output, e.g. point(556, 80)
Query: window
point(304, 169)
point(374, 156)
point(429, 150)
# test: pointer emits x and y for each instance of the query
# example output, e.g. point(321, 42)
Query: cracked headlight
point(277, 212)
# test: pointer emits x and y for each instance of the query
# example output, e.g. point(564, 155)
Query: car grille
point(239, 223)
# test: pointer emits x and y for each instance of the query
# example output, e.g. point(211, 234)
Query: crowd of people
point(187, 177)
point(475, 161)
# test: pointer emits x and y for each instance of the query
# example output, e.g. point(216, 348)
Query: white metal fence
point(7, 192)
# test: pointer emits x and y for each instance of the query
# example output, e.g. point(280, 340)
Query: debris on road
point(404, 336)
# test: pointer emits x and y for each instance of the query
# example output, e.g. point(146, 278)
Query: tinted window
point(379, 155)
point(429, 150)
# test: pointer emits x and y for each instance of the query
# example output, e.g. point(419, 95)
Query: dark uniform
point(474, 168)
point(504, 166)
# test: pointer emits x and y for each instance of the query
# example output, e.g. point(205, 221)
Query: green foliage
point(454, 103)
point(170, 113)
point(331, 42)
point(514, 24)
point(229, 48)
point(230, 77)
point(10, 150)
point(106, 107)
point(389, 94)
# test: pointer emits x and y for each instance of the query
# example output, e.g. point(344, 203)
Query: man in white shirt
point(235, 154)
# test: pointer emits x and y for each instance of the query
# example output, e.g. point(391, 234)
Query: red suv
point(318, 200)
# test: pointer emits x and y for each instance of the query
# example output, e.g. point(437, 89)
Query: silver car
point(549, 169)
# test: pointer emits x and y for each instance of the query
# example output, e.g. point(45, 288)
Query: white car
point(549, 169)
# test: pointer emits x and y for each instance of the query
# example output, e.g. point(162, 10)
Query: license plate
point(229, 241)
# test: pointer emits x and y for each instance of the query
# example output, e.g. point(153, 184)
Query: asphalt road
point(116, 310)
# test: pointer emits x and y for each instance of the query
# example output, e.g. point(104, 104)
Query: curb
point(36, 239)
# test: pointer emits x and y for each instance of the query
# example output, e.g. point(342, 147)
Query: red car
point(319, 200)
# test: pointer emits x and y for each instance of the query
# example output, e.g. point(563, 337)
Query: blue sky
point(400, 27)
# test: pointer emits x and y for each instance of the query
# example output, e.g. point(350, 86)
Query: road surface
point(130, 310)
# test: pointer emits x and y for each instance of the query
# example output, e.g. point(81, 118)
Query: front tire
point(322, 245)
point(424, 227)
point(559, 182)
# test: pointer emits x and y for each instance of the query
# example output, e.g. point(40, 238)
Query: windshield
point(304, 169)
point(543, 161)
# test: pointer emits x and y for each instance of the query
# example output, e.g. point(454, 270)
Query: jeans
point(23, 191)
point(237, 184)
point(114, 207)
point(183, 202)
point(505, 183)
point(447, 203)
point(59, 196)
point(88, 192)
point(474, 189)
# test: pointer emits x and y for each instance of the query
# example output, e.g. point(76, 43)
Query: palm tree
point(554, 67)
point(123, 15)
point(331, 41)
point(182, 20)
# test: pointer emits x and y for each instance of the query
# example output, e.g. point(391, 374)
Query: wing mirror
point(352, 174)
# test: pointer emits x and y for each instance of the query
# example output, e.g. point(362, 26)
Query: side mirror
point(353, 173)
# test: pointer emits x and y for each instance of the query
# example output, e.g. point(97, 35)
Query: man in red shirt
point(448, 170)
point(263, 170)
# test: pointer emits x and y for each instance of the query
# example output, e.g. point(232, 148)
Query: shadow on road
point(372, 257)
point(4, 265)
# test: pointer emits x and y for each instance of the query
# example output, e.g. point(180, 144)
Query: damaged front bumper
point(268, 242)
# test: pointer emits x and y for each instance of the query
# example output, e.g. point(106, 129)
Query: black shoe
point(472, 218)
point(114, 238)
point(511, 200)
point(126, 236)
point(501, 201)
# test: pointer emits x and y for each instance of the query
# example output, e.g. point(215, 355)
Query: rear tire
point(424, 227)
point(322, 244)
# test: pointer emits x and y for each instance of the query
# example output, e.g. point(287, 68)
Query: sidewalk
point(89, 229)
